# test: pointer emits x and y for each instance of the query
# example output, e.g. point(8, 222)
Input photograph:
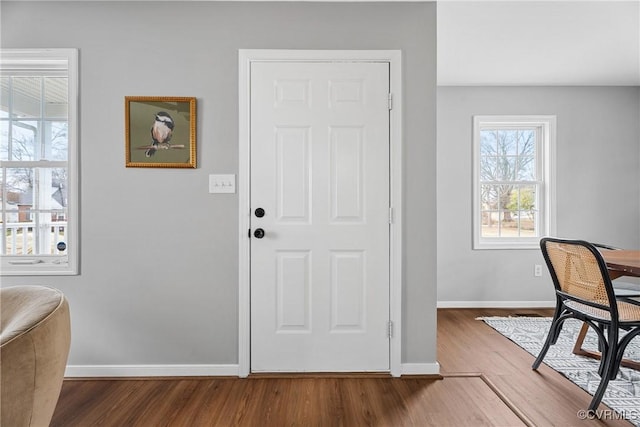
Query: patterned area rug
point(623, 393)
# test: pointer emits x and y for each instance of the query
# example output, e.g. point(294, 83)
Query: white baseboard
point(496, 304)
point(95, 371)
point(421, 368)
point(124, 371)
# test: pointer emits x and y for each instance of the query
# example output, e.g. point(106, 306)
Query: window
point(513, 181)
point(38, 161)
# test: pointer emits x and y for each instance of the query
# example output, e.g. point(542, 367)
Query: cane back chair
point(584, 291)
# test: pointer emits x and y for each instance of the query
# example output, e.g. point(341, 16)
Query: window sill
point(506, 245)
point(37, 266)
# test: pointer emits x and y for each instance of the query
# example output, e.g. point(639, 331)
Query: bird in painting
point(161, 133)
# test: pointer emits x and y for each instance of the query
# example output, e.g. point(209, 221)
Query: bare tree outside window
point(507, 165)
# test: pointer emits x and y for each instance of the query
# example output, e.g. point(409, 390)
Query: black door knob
point(259, 212)
point(258, 233)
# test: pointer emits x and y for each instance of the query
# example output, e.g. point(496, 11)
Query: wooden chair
point(621, 289)
point(584, 291)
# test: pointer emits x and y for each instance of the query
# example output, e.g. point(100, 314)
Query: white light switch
point(222, 183)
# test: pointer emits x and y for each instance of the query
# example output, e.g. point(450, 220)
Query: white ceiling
point(539, 42)
point(534, 42)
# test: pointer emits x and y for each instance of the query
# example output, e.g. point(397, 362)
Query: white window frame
point(23, 61)
point(546, 170)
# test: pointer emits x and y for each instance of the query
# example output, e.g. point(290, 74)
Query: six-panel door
point(320, 175)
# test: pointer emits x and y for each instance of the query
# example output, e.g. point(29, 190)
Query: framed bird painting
point(160, 132)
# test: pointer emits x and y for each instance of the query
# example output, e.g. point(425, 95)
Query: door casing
point(245, 58)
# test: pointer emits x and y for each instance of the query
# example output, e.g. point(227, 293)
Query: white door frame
point(394, 58)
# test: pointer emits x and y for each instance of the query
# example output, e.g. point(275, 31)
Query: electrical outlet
point(537, 270)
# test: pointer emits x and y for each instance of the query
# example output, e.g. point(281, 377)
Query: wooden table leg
point(577, 349)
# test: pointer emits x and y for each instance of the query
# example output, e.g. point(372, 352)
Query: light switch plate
point(222, 183)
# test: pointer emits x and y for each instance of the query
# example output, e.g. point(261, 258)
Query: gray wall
point(598, 184)
point(159, 280)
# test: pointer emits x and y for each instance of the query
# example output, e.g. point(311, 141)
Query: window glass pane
point(488, 142)
point(19, 186)
point(4, 140)
point(490, 197)
point(56, 141)
point(19, 236)
point(12, 197)
point(504, 195)
point(4, 97)
point(24, 140)
point(490, 224)
point(58, 190)
point(488, 168)
point(527, 155)
point(58, 237)
point(55, 97)
point(522, 206)
point(522, 199)
point(506, 170)
point(526, 142)
point(49, 234)
point(526, 168)
point(530, 228)
point(27, 95)
point(36, 217)
point(508, 142)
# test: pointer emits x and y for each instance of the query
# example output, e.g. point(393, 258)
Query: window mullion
point(44, 181)
point(4, 211)
point(41, 152)
point(10, 121)
point(35, 164)
point(511, 182)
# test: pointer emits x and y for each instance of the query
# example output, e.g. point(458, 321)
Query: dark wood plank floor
point(487, 381)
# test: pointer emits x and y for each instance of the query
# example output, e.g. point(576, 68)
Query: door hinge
point(390, 101)
point(390, 215)
point(249, 233)
point(390, 329)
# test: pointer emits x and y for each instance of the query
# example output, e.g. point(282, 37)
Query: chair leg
point(610, 358)
point(552, 337)
point(603, 346)
point(622, 345)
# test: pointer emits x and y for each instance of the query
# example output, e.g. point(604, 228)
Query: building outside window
point(38, 161)
point(514, 196)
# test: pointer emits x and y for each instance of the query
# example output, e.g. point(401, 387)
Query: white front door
point(319, 141)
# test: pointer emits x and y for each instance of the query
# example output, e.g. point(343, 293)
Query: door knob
point(259, 212)
point(258, 233)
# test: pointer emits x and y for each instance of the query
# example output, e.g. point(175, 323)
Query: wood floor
point(487, 381)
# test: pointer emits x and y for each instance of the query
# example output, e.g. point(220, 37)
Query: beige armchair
point(34, 345)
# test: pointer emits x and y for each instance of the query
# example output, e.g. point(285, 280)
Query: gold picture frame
point(160, 132)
